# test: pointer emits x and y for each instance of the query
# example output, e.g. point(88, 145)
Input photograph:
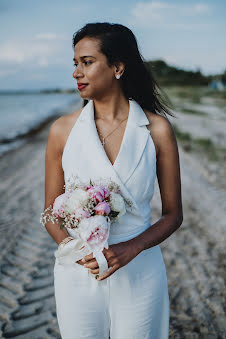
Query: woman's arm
point(54, 175)
point(168, 174)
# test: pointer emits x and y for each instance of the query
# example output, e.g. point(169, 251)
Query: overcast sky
point(36, 36)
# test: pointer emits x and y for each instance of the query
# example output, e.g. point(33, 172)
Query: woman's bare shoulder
point(61, 128)
point(160, 128)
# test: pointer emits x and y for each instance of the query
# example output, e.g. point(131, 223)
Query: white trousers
point(133, 303)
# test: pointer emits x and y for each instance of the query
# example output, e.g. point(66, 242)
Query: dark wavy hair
point(118, 44)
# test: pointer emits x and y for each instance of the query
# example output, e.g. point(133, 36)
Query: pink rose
point(98, 236)
point(98, 193)
point(103, 208)
point(58, 205)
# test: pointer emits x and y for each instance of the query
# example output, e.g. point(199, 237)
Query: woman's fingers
point(84, 263)
point(79, 262)
point(96, 271)
point(92, 264)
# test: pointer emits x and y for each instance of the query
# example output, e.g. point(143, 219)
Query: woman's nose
point(77, 72)
point(74, 74)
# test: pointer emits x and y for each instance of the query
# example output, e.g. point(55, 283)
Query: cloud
point(201, 8)
point(161, 14)
point(42, 50)
point(20, 51)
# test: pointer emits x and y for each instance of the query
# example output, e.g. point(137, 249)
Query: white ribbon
point(75, 250)
point(71, 252)
point(102, 262)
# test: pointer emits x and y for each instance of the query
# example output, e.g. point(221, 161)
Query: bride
point(121, 132)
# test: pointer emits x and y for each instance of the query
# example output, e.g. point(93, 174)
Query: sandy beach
point(194, 255)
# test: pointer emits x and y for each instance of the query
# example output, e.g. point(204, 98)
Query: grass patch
point(182, 136)
point(200, 145)
point(215, 94)
point(195, 94)
point(192, 111)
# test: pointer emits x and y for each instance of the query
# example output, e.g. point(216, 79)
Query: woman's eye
point(85, 62)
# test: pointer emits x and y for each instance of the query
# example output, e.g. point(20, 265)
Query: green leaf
point(113, 214)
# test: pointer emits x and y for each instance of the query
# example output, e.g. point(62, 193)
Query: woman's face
point(91, 68)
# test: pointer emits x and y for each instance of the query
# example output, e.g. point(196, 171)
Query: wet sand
point(194, 255)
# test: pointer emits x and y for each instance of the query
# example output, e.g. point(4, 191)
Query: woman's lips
point(80, 87)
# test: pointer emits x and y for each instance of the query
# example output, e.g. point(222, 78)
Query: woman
point(118, 133)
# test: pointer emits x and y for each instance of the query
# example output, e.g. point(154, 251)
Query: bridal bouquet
point(88, 209)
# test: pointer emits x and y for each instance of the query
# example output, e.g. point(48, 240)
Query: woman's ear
point(119, 68)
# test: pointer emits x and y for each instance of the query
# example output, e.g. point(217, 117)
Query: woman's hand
point(117, 256)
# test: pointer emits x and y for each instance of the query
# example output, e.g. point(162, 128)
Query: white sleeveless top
point(134, 169)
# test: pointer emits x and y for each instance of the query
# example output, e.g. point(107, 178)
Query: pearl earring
point(117, 76)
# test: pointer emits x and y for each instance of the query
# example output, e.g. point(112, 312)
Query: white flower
point(117, 204)
point(77, 199)
point(95, 231)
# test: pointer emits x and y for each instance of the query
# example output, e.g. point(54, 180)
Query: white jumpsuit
point(133, 303)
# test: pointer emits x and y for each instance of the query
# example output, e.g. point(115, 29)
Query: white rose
point(117, 204)
point(95, 231)
point(76, 199)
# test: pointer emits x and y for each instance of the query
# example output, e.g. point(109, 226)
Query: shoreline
point(16, 167)
point(21, 139)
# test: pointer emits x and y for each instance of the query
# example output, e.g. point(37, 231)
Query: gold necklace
point(103, 141)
